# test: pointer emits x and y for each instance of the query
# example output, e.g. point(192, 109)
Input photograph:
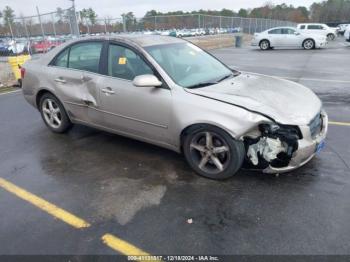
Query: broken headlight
point(274, 147)
point(287, 131)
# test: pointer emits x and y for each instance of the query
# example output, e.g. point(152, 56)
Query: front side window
point(302, 27)
point(275, 31)
point(188, 65)
point(85, 56)
point(125, 63)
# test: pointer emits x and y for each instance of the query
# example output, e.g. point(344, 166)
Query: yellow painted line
point(122, 246)
point(339, 123)
point(44, 205)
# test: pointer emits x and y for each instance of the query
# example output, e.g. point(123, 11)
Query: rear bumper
point(254, 42)
point(306, 148)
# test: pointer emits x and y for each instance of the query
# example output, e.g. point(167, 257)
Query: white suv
point(322, 29)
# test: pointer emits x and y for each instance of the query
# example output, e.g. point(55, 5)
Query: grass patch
point(7, 89)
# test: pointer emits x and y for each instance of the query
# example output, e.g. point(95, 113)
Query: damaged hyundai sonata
point(169, 92)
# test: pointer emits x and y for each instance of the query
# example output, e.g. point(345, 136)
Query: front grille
point(316, 125)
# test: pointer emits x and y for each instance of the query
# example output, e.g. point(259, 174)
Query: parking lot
point(148, 199)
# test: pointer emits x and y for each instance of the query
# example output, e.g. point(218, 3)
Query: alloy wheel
point(52, 113)
point(264, 45)
point(309, 44)
point(210, 152)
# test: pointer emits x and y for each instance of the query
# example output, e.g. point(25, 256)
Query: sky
point(114, 8)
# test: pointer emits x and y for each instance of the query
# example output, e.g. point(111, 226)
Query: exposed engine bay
point(271, 145)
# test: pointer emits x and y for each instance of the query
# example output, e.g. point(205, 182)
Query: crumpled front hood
point(285, 101)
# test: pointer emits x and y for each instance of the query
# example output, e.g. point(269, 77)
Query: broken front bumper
point(306, 148)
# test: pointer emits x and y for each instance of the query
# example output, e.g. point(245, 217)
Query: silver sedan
point(169, 92)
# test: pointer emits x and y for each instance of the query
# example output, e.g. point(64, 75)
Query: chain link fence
point(41, 32)
point(41, 25)
point(195, 21)
point(69, 23)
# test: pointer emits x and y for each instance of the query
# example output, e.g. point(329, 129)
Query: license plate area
point(320, 146)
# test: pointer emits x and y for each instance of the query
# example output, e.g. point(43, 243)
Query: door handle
point(108, 91)
point(60, 80)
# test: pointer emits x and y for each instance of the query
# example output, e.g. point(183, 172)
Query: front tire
point(54, 114)
point(213, 153)
point(264, 45)
point(309, 44)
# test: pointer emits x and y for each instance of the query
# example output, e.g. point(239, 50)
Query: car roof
point(138, 39)
point(311, 24)
point(281, 27)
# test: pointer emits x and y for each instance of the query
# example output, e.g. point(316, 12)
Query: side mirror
point(146, 81)
point(296, 33)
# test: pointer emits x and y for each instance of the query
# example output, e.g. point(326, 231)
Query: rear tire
point(264, 45)
point(54, 114)
point(213, 153)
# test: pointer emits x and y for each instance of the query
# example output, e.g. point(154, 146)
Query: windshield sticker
point(122, 60)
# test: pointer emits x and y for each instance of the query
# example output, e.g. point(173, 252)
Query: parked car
point(287, 37)
point(15, 47)
point(347, 34)
point(342, 28)
point(235, 30)
point(183, 33)
point(3, 47)
point(43, 46)
point(169, 92)
point(322, 29)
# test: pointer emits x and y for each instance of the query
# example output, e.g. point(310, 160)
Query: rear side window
point(62, 59)
point(314, 27)
point(302, 27)
point(85, 56)
point(275, 31)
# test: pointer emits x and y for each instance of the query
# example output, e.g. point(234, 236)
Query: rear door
point(75, 73)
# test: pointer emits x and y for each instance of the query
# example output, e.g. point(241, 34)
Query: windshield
point(188, 65)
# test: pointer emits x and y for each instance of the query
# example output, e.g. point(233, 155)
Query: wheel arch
point(265, 39)
point(44, 91)
point(40, 94)
point(186, 130)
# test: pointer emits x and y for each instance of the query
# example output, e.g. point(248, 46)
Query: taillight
point(23, 71)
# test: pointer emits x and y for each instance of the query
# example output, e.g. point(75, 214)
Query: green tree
point(59, 14)
point(130, 20)
point(151, 13)
point(8, 15)
point(243, 12)
point(88, 14)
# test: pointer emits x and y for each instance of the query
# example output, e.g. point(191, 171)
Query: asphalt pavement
point(146, 195)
